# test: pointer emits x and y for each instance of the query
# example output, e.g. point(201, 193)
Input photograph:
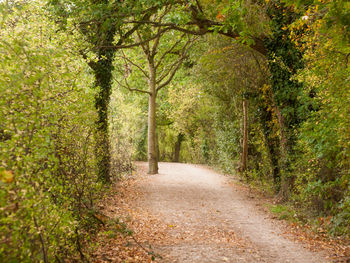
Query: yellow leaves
point(6, 176)
point(265, 88)
point(221, 50)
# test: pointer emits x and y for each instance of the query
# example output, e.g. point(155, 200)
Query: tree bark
point(280, 118)
point(286, 180)
point(152, 144)
point(177, 148)
point(272, 144)
point(245, 136)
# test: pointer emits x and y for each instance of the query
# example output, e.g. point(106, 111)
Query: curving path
point(209, 219)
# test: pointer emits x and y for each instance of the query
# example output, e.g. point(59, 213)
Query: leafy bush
point(47, 168)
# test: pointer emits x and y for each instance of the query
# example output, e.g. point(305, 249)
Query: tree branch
point(127, 86)
point(146, 17)
point(126, 59)
point(185, 49)
point(169, 51)
point(157, 40)
point(140, 90)
point(165, 73)
point(115, 47)
point(143, 46)
point(205, 26)
point(199, 6)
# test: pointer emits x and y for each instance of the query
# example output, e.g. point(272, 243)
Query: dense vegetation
point(256, 88)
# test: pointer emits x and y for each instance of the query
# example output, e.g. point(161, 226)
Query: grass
point(284, 212)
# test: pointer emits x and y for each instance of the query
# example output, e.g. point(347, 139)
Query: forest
point(258, 89)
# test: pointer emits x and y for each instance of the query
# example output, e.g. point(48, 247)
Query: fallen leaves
point(155, 237)
point(151, 233)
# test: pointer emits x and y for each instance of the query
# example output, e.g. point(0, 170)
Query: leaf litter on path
point(177, 218)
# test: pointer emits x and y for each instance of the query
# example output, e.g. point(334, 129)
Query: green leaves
point(47, 158)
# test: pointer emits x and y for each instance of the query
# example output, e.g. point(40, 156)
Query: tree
point(162, 58)
point(105, 28)
point(108, 26)
point(234, 75)
point(245, 135)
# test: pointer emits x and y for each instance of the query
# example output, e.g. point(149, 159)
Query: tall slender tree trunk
point(152, 143)
point(245, 135)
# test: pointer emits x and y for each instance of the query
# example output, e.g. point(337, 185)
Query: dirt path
point(206, 218)
point(189, 213)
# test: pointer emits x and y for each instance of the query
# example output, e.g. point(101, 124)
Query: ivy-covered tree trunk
point(284, 60)
point(103, 68)
point(272, 144)
point(103, 81)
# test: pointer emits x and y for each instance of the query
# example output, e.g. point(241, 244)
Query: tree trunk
point(103, 80)
point(272, 144)
point(245, 136)
point(280, 118)
point(286, 180)
point(177, 148)
point(152, 144)
point(103, 69)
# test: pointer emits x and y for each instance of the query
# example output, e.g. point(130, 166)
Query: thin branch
point(169, 51)
point(140, 90)
point(127, 86)
point(185, 49)
point(146, 17)
point(143, 46)
point(171, 75)
point(149, 252)
point(42, 241)
point(112, 15)
point(175, 64)
point(140, 43)
point(203, 26)
point(157, 40)
point(199, 6)
point(155, 45)
point(126, 59)
point(165, 73)
point(159, 24)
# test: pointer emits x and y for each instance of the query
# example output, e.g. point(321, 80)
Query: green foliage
point(323, 174)
point(128, 141)
point(298, 120)
point(47, 143)
point(284, 61)
point(284, 212)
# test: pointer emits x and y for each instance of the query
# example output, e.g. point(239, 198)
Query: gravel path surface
point(209, 219)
